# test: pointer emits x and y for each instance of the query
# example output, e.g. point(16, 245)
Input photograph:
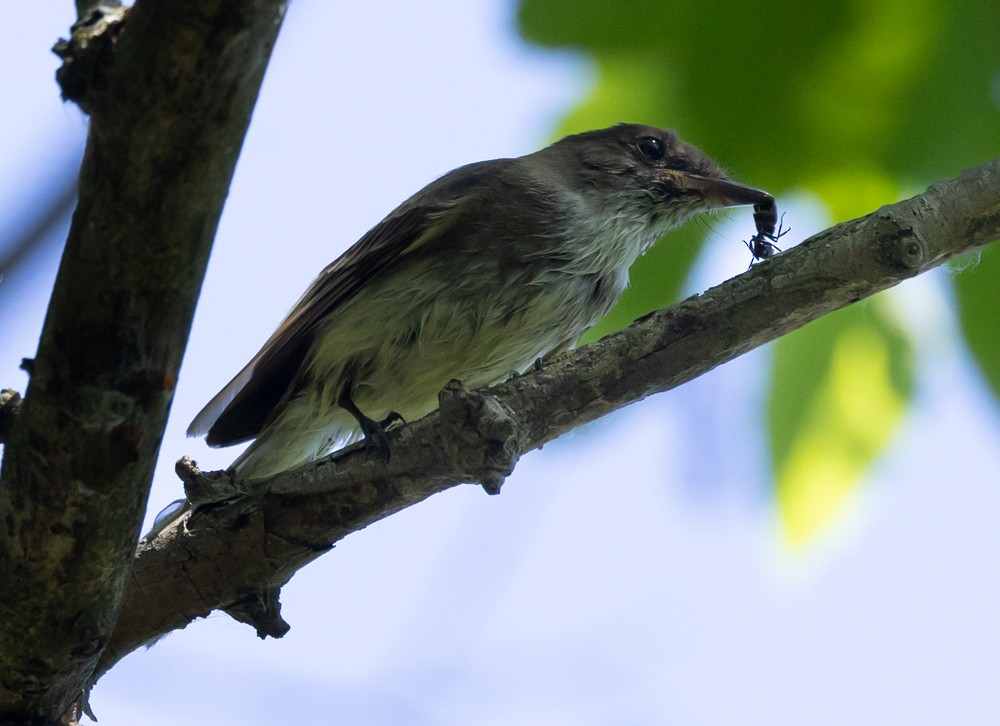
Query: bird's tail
point(282, 446)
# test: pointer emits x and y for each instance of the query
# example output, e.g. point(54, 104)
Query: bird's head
point(647, 172)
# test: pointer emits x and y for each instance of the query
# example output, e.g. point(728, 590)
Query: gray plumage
point(477, 275)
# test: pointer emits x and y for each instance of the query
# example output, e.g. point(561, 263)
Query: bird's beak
point(726, 193)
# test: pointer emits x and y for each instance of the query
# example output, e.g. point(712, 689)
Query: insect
point(761, 245)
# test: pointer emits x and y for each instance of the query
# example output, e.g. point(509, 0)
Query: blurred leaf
point(949, 117)
point(614, 99)
point(859, 102)
point(841, 386)
point(978, 293)
point(789, 92)
point(853, 191)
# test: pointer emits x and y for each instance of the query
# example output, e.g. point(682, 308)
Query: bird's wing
point(239, 411)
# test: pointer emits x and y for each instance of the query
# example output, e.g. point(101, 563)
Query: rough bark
point(170, 104)
point(235, 547)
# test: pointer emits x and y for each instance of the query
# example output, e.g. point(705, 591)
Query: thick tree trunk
point(170, 96)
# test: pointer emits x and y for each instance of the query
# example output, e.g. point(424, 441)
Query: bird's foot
point(376, 442)
point(376, 439)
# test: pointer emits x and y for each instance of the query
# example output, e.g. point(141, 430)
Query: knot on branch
point(87, 56)
point(899, 245)
point(207, 487)
point(477, 420)
point(262, 611)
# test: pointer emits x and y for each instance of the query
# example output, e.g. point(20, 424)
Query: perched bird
point(474, 277)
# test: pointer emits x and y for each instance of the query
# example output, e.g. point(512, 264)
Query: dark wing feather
point(239, 411)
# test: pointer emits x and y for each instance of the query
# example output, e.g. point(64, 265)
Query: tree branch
point(177, 88)
point(239, 546)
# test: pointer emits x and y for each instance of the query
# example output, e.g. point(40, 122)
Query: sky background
point(632, 572)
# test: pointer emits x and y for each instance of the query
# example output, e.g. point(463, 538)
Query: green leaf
point(791, 93)
point(840, 389)
point(977, 289)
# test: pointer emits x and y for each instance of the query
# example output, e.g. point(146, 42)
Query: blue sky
point(632, 572)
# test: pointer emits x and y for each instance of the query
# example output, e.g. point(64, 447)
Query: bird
point(478, 275)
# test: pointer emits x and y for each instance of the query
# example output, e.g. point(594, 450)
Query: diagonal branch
point(172, 92)
point(240, 546)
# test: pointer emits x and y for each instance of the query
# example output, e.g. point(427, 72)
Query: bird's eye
point(651, 148)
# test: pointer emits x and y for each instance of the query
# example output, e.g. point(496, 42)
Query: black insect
point(761, 245)
point(765, 215)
